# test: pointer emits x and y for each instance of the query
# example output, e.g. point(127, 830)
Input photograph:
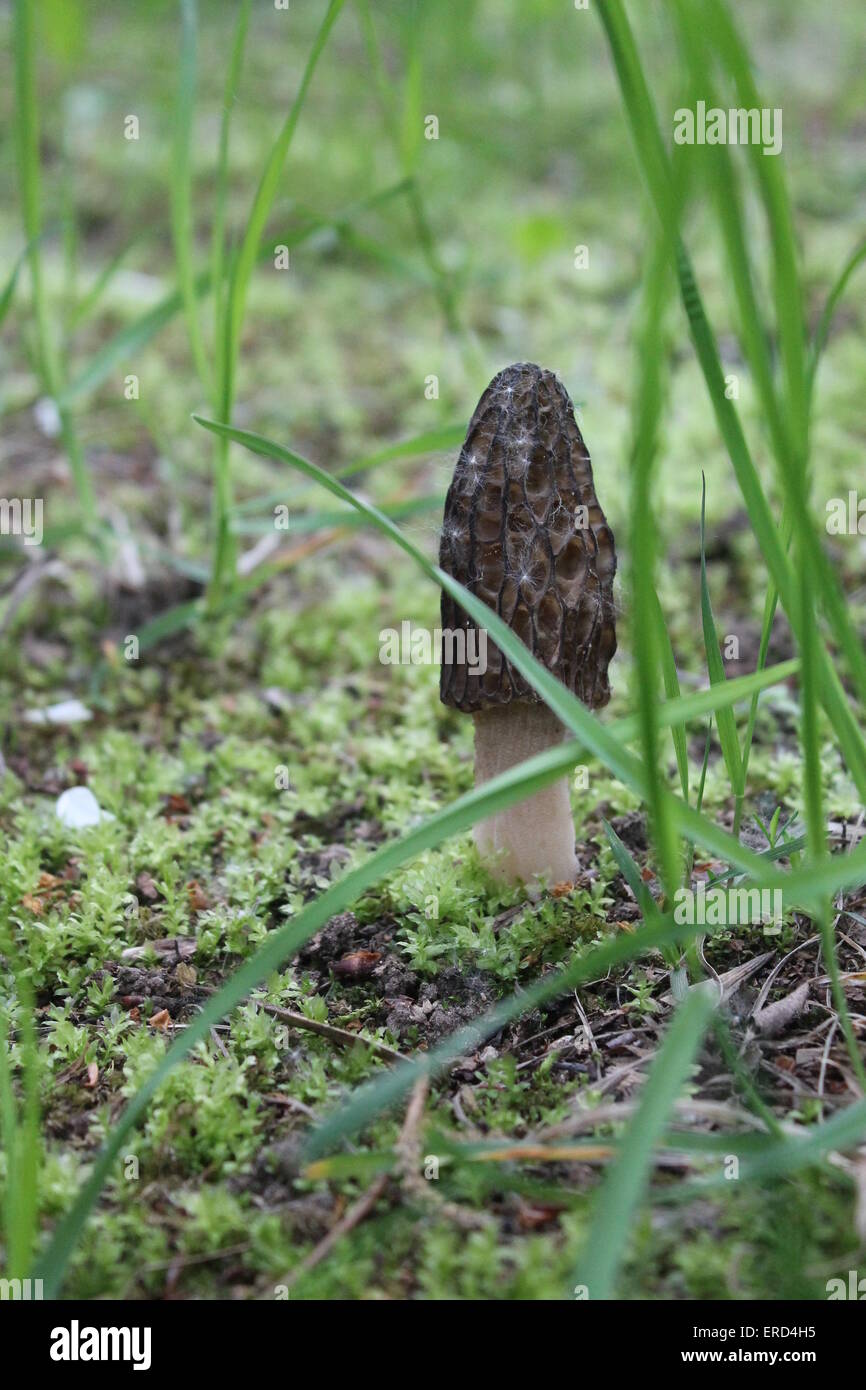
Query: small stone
point(78, 808)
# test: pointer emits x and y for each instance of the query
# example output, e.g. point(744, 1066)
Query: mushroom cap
point(524, 531)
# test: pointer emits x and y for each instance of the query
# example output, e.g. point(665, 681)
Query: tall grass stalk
point(183, 220)
point(20, 1137)
point(233, 296)
point(27, 150)
point(799, 592)
point(403, 125)
point(648, 650)
point(653, 159)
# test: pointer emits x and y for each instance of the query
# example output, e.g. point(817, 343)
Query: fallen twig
point(327, 1030)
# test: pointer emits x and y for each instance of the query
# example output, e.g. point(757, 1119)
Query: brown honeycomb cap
point(524, 531)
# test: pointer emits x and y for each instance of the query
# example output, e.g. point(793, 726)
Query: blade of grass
point(722, 180)
point(86, 304)
point(404, 129)
point(672, 688)
point(182, 222)
point(9, 288)
point(134, 336)
point(318, 521)
point(631, 873)
point(429, 442)
point(782, 1157)
point(261, 207)
point(643, 123)
point(822, 329)
point(27, 149)
point(792, 460)
point(727, 43)
point(651, 345)
point(626, 1180)
point(813, 800)
point(724, 719)
point(20, 1137)
point(790, 445)
point(218, 234)
point(223, 576)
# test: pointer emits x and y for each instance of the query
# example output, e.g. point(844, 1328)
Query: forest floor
point(248, 763)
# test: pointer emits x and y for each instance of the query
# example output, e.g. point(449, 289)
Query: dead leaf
point(562, 890)
point(775, 1018)
point(186, 975)
point(92, 1075)
point(198, 898)
point(33, 904)
point(161, 1020)
point(357, 965)
point(536, 1216)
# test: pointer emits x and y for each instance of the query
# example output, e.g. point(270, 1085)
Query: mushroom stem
point(534, 838)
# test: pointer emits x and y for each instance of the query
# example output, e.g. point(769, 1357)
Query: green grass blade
point(183, 228)
point(631, 873)
point(822, 329)
point(20, 1137)
point(27, 149)
point(724, 187)
point(771, 181)
point(224, 573)
point(643, 123)
point(261, 207)
point(132, 337)
point(781, 1157)
point(218, 234)
point(626, 1180)
point(8, 291)
point(404, 130)
point(672, 688)
point(430, 442)
point(651, 354)
point(86, 305)
point(305, 522)
point(724, 718)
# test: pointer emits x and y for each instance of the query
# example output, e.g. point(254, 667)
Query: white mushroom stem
point(534, 838)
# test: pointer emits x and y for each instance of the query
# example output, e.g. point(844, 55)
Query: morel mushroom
point(524, 531)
